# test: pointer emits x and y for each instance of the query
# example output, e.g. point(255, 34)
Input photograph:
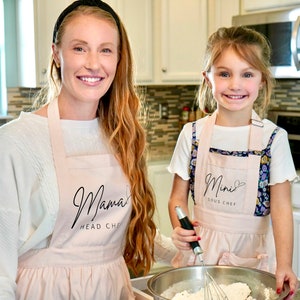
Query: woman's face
point(234, 82)
point(88, 57)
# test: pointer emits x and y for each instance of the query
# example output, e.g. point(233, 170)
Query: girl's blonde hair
point(252, 47)
point(118, 113)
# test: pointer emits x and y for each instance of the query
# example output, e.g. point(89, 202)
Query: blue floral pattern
point(263, 193)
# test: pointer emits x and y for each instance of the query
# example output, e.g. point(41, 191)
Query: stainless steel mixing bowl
point(192, 279)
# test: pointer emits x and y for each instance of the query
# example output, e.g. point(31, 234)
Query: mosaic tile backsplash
point(162, 133)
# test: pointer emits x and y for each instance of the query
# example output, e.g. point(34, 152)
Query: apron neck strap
point(256, 130)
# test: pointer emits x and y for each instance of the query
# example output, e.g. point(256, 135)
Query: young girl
point(237, 166)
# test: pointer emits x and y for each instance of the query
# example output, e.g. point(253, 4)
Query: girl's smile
point(235, 84)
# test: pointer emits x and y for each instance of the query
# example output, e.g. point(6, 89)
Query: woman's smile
point(90, 79)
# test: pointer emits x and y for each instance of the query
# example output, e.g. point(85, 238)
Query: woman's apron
point(225, 195)
point(84, 259)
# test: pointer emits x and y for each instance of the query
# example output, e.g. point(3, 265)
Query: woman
point(76, 207)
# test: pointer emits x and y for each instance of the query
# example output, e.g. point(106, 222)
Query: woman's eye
point(78, 49)
point(248, 75)
point(106, 50)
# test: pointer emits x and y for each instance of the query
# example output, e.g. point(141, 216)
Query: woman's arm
point(9, 228)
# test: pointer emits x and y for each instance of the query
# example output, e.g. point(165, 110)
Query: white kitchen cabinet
point(167, 38)
point(296, 257)
point(36, 20)
point(182, 38)
point(161, 181)
point(256, 5)
point(137, 16)
point(221, 13)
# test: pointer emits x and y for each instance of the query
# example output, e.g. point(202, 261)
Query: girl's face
point(235, 84)
point(88, 57)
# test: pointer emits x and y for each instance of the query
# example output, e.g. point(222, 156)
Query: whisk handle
point(186, 224)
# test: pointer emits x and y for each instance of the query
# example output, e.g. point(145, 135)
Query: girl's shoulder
point(269, 128)
point(195, 125)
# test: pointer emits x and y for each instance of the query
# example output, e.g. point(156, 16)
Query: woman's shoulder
point(24, 123)
point(25, 129)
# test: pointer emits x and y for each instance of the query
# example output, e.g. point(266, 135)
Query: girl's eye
point(248, 75)
point(224, 74)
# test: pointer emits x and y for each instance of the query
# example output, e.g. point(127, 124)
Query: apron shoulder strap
point(192, 165)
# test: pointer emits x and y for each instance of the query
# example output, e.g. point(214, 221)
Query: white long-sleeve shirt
point(29, 190)
point(28, 185)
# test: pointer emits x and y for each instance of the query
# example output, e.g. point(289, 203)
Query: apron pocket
point(230, 259)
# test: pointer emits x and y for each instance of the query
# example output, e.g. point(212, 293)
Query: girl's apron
point(225, 198)
point(84, 259)
point(225, 195)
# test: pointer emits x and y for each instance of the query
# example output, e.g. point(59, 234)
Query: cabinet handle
point(44, 71)
point(164, 70)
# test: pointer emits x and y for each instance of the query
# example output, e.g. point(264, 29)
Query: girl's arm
point(282, 222)
point(179, 196)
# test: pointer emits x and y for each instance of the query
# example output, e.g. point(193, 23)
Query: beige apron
point(225, 195)
point(84, 259)
point(225, 199)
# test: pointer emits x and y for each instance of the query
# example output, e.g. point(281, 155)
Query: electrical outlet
point(163, 111)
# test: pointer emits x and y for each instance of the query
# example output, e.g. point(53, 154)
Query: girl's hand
point(287, 276)
point(182, 237)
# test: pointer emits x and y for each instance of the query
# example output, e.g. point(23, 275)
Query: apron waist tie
point(233, 223)
point(53, 256)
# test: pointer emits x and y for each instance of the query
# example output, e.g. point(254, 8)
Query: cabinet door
point(296, 257)
point(36, 21)
point(183, 39)
point(221, 13)
point(46, 14)
point(161, 181)
point(137, 18)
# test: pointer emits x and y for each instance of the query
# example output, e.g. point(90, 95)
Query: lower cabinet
point(296, 258)
point(161, 181)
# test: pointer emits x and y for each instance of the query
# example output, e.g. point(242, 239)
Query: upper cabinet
point(35, 26)
point(221, 13)
point(168, 38)
point(256, 5)
point(137, 16)
point(182, 40)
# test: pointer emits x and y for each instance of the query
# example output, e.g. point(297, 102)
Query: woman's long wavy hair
point(252, 47)
point(118, 112)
